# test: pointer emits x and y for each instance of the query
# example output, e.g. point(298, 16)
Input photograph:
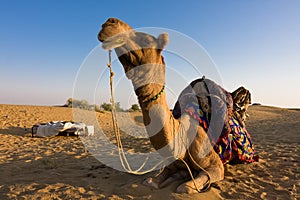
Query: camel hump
point(205, 91)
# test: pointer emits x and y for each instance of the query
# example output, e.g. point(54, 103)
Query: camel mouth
point(101, 37)
point(113, 41)
point(109, 44)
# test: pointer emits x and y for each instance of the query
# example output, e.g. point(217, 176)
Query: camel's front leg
point(159, 178)
point(163, 178)
point(216, 173)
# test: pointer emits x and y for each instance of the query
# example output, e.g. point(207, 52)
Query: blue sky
point(253, 43)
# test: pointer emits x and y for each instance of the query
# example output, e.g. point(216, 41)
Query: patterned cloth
point(197, 113)
point(234, 140)
point(237, 140)
point(212, 106)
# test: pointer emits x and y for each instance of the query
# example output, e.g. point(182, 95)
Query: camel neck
point(147, 95)
point(158, 119)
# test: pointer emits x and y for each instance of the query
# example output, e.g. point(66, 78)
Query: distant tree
point(108, 107)
point(135, 107)
point(118, 107)
point(82, 104)
point(97, 108)
point(69, 103)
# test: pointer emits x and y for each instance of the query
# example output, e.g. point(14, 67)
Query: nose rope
point(123, 159)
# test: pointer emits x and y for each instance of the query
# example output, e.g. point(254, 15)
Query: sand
point(61, 168)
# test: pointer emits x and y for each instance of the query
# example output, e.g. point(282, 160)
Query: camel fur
point(142, 60)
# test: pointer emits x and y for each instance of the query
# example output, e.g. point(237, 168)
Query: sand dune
point(61, 167)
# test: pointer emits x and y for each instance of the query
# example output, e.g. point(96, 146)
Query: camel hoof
point(150, 183)
point(183, 189)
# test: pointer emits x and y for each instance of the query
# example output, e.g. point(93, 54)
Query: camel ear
point(162, 40)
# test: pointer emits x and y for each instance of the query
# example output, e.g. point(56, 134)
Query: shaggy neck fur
point(160, 124)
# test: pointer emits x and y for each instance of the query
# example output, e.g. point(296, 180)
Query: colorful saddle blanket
point(233, 140)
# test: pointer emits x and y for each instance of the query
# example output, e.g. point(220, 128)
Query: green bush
point(135, 107)
point(108, 107)
point(82, 104)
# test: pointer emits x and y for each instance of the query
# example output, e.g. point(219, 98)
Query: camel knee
point(216, 173)
point(197, 184)
point(203, 180)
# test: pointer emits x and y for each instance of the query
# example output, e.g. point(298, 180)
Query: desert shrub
point(134, 107)
point(82, 104)
point(108, 107)
point(97, 108)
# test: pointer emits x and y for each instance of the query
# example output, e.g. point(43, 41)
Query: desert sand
point(61, 168)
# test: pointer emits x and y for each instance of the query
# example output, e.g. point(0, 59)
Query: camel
point(177, 134)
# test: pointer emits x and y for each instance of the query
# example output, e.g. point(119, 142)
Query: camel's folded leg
point(156, 180)
point(183, 175)
point(216, 173)
point(159, 179)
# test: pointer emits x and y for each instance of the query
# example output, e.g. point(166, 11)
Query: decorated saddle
point(222, 115)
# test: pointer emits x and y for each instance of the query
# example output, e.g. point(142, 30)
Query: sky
point(44, 45)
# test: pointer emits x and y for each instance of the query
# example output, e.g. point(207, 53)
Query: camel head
point(114, 33)
point(135, 49)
